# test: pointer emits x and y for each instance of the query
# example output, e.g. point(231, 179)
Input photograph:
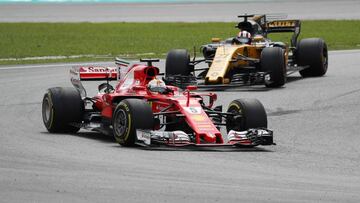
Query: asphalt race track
point(316, 159)
point(187, 12)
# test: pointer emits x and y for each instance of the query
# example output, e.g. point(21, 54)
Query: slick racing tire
point(129, 115)
point(249, 113)
point(62, 107)
point(272, 60)
point(178, 63)
point(312, 52)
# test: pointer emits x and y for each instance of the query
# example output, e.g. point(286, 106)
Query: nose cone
point(209, 138)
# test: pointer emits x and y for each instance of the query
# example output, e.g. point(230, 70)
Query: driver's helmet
point(157, 85)
point(244, 37)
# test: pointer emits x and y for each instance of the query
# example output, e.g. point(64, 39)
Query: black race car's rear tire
point(62, 107)
point(178, 63)
point(129, 115)
point(249, 113)
point(312, 52)
point(272, 60)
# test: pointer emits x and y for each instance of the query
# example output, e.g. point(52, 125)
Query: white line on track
point(15, 67)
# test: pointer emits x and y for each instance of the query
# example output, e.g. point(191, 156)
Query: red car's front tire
point(129, 115)
point(249, 113)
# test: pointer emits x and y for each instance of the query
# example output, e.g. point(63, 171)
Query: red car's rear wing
point(97, 73)
point(102, 72)
point(79, 73)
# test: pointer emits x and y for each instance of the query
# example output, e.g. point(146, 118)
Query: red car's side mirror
point(191, 88)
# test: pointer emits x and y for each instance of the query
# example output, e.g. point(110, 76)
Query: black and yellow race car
point(234, 62)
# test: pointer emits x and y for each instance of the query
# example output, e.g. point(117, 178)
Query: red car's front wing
point(249, 138)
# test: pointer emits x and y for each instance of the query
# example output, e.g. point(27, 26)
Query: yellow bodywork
point(225, 60)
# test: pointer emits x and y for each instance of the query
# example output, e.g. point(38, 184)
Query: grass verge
point(136, 40)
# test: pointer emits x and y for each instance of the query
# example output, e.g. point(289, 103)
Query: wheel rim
point(234, 124)
point(325, 59)
point(46, 110)
point(120, 124)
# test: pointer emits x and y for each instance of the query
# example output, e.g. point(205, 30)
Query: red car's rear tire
point(62, 107)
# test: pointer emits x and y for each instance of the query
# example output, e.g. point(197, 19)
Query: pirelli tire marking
point(48, 118)
point(122, 135)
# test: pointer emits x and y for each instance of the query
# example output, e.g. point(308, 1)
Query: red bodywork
point(134, 85)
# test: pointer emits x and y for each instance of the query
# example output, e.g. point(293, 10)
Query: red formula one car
point(142, 110)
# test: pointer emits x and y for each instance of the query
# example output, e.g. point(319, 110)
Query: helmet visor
point(243, 40)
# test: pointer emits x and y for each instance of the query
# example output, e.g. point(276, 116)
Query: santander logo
point(97, 69)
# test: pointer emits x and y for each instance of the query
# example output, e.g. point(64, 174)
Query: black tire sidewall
point(139, 115)
point(123, 138)
point(48, 122)
point(66, 107)
point(310, 53)
point(272, 60)
point(178, 63)
point(252, 111)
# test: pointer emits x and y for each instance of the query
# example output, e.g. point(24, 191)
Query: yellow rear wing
point(277, 26)
point(275, 23)
point(283, 26)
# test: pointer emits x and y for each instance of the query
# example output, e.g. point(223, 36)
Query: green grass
point(19, 40)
